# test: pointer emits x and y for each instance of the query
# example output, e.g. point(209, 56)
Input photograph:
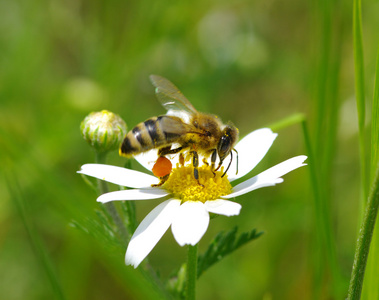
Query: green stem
point(191, 272)
point(364, 240)
point(110, 207)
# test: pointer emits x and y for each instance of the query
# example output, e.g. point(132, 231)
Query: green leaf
point(222, 245)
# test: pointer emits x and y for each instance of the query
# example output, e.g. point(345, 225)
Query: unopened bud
point(103, 130)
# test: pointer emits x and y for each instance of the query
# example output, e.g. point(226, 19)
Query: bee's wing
point(170, 96)
point(173, 125)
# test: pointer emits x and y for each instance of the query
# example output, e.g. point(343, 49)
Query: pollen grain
point(185, 187)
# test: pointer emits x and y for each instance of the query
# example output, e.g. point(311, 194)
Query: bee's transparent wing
point(173, 126)
point(170, 96)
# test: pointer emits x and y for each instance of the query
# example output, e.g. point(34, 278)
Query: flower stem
point(110, 207)
point(191, 272)
point(364, 240)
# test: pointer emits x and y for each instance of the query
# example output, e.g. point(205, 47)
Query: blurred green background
point(252, 62)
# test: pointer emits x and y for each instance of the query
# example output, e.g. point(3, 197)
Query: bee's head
point(227, 141)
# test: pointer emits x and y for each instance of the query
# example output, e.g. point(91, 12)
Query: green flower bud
point(103, 130)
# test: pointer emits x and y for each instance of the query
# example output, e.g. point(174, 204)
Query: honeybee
point(195, 132)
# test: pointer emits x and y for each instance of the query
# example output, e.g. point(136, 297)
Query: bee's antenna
point(237, 159)
point(231, 158)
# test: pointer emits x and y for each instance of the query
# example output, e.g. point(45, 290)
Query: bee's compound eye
point(224, 144)
point(162, 167)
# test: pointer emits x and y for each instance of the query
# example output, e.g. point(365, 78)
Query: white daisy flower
point(188, 204)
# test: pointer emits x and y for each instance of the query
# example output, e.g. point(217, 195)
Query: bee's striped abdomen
point(150, 134)
point(154, 130)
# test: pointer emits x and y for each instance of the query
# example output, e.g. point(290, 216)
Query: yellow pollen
point(183, 185)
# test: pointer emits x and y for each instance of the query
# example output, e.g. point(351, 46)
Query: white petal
point(190, 223)
point(136, 194)
point(269, 177)
point(223, 207)
point(118, 175)
point(150, 231)
point(251, 149)
point(147, 159)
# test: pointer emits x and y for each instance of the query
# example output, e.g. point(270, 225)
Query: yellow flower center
point(183, 185)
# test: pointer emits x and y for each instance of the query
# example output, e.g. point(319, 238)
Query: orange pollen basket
point(162, 167)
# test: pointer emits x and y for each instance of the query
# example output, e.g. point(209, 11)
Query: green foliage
point(35, 240)
point(222, 245)
point(101, 230)
point(176, 284)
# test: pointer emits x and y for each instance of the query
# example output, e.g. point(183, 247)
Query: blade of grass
point(327, 27)
point(324, 25)
point(287, 122)
point(330, 135)
point(371, 284)
point(35, 239)
point(375, 122)
point(324, 234)
point(317, 253)
point(360, 93)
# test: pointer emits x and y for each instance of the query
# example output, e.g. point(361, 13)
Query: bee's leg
point(181, 159)
point(162, 180)
point(213, 161)
point(163, 151)
point(205, 161)
point(195, 162)
point(167, 150)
